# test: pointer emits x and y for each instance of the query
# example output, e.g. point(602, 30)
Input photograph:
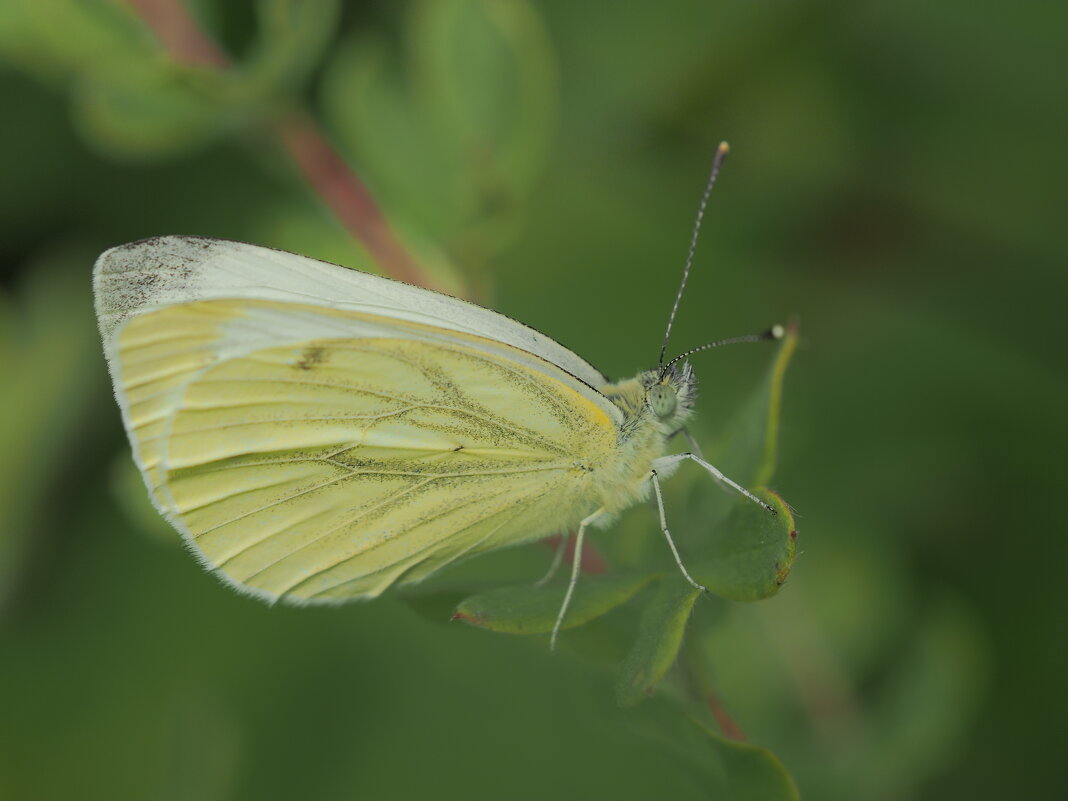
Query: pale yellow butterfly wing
point(320, 454)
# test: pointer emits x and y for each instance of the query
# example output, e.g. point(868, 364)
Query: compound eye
point(662, 400)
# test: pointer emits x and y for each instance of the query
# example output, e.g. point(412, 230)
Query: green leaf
point(128, 99)
point(293, 36)
point(751, 773)
point(487, 76)
point(437, 601)
point(150, 112)
point(749, 555)
point(728, 769)
point(395, 149)
point(132, 99)
point(54, 39)
point(49, 357)
point(660, 636)
point(747, 448)
point(529, 609)
point(452, 132)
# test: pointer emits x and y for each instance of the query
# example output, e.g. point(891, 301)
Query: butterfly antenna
point(775, 332)
point(717, 162)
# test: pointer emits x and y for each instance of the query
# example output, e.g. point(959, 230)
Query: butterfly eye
point(662, 400)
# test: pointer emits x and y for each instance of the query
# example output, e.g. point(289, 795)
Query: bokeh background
point(897, 182)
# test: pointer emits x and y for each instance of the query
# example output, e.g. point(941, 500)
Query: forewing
point(316, 454)
point(167, 270)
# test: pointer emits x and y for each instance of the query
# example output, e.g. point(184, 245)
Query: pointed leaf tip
point(660, 635)
point(753, 773)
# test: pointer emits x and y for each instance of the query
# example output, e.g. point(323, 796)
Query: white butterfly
point(318, 434)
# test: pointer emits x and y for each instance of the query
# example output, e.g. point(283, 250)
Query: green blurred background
point(897, 181)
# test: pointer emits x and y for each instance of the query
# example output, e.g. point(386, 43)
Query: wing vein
point(353, 473)
point(380, 543)
point(347, 522)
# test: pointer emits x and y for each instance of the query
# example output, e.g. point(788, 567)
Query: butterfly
point(318, 434)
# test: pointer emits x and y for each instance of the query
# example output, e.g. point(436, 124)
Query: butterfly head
point(670, 395)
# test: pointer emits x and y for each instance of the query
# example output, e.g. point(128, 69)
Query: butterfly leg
point(576, 566)
point(667, 534)
point(690, 440)
point(665, 462)
point(558, 559)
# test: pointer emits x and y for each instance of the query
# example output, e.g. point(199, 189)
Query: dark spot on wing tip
point(458, 448)
point(132, 245)
point(204, 242)
point(311, 357)
point(137, 244)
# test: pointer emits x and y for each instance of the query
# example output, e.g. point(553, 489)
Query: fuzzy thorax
point(654, 408)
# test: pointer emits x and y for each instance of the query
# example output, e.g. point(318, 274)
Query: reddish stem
point(180, 34)
point(347, 197)
point(593, 563)
point(725, 722)
point(320, 164)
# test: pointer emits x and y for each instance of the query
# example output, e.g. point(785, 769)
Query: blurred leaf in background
point(133, 100)
point(453, 127)
point(47, 358)
point(896, 181)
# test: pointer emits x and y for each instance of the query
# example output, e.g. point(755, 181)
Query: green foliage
point(747, 556)
point(746, 447)
point(59, 39)
point(533, 609)
point(452, 131)
point(724, 768)
point(47, 360)
point(660, 634)
point(881, 152)
point(750, 773)
point(134, 100)
point(293, 37)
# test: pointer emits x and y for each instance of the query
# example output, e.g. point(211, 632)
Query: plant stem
point(347, 196)
point(693, 671)
point(726, 723)
point(179, 33)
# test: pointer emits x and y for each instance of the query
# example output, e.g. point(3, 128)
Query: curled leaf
point(747, 448)
point(529, 609)
point(659, 638)
point(727, 769)
point(750, 772)
point(749, 555)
